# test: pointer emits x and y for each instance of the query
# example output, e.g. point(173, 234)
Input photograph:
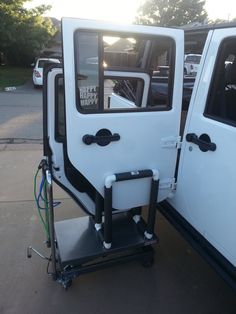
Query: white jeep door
point(118, 124)
point(206, 185)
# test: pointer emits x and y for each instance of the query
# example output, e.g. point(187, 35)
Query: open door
point(118, 118)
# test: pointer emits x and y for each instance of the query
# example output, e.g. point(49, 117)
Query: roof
point(122, 45)
point(207, 27)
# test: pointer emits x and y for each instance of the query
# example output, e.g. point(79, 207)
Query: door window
point(87, 70)
point(221, 103)
point(98, 54)
point(60, 127)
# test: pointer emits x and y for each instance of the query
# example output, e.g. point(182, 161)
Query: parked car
point(162, 70)
point(38, 69)
point(191, 64)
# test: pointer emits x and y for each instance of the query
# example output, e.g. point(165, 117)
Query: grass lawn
point(13, 76)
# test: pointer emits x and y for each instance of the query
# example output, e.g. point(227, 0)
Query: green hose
point(46, 207)
point(45, 224)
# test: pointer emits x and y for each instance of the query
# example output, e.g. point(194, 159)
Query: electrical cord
point(38, 198)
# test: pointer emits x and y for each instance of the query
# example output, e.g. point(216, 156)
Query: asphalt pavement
point(179, 282)
point(21, 114)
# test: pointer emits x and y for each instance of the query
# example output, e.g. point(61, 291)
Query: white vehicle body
point(197, 194)
point(205, 194)
point(38, 69)
point(191, 64)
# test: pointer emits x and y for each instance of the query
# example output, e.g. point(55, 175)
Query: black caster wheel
point(67, 283)
point(147, 263)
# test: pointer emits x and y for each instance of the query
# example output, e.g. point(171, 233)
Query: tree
point(171, 12)
point(23, 32)
point(221, 21)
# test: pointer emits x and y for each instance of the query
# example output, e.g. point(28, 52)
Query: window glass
point(222, 96)
point(123, 73)
point(60, 129)
point(121, 93)
point(193, 59)
point(44, 63)
point(87, 70)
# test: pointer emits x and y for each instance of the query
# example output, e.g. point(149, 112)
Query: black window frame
point(101, 34)
point(58, 137)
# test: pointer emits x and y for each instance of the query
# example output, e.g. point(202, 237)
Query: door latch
point(203, 141)
point(171, 142)
point(103, 137)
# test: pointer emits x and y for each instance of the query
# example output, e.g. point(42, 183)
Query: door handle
point(103, 137)
point(203, 141)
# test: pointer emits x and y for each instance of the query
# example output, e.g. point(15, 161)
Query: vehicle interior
point(222, 96)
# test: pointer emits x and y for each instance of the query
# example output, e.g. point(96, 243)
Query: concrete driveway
point(21, 114)
point(179, 282)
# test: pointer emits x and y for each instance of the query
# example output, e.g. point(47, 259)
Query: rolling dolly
point(86, 244)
